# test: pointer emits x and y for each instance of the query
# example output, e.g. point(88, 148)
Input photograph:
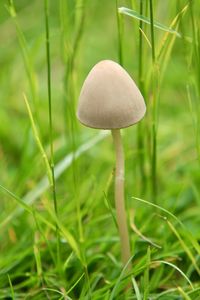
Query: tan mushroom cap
point(109, 98)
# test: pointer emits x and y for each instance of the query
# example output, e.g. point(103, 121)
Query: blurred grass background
point(81, 34)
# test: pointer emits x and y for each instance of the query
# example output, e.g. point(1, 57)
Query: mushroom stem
point(119, 197)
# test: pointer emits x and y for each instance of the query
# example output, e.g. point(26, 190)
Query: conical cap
point(109, 98)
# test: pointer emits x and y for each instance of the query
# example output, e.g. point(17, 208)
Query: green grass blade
point(38, 142)
point(174, 23)
point(140, 128)
point(195, 118)
point(120, 34)
point(56, 292)
point(48, 61)
point(152, 22)
point(19, 201)
point(167, 43)
point(136, 289)
point(11, 288)
point(188, 235)
point(134, 14)
point(160, 208)
point(195, 291)
point(177, 269)
point(139, 233)
point(146, 275)
point(66, 233)
point(37, 255)
point(23, 207)
point(46, 8)
point(110, 209)
point(60, 167)
point(184, 246)
point(123, 272)
point(25, 54)
point(182, 293)
point(75, 284)
point(155, 93)
point(193, 241)
point(42, 233)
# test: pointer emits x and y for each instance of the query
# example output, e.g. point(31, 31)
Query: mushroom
point(110, 99)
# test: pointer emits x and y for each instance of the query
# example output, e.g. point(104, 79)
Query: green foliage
point(46, 52)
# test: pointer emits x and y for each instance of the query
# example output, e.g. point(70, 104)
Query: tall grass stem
point(46, 7)
point(140, 128)
point(120, 34)
point(154, 110)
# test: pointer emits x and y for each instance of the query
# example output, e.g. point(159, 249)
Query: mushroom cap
point(109, 98)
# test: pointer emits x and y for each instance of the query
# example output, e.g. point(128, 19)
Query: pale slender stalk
point(119, 197)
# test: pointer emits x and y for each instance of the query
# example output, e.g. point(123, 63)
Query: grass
point(44, 132)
